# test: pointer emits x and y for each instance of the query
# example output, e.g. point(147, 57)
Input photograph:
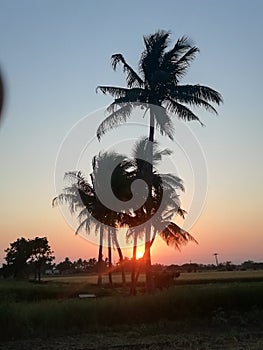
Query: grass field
point(184, 277)
point(183, 316)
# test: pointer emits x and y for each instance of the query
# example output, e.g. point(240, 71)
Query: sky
point(53, 56)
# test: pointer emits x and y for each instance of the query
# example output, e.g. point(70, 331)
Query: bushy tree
point(24, 253)
point(40, 254)
point(17, 257)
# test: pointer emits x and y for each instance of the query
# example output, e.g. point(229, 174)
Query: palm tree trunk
point(100, 257)
point(153, 237)
point(151, 133)
point(147, 253)
point(115, 241)
point(147, 259)
point(133, 279)
point(110, 256)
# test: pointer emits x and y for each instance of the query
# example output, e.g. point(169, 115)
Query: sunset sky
point(53, 54)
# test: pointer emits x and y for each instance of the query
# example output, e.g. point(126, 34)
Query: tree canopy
point(25, 255)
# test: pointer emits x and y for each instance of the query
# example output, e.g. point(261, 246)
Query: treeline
point(31, 258)
point(225, 266)
point(91, 266)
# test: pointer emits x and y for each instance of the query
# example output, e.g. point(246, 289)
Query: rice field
point(184, 277)
point(184, 316)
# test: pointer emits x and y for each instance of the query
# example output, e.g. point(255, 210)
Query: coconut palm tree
point(73, 196)
point(158, 88)
point(83, 199)
point(158, 85)
point(164, 202)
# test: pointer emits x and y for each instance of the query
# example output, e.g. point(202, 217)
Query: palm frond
point(179, 68)
point(181, 212)
point(196, 95)
point(134, 95)
point(187, 58)
point(173, 181)
point(151, 58)
point(143, 147)
point(83, 214)
point(133, 79)
point(181, 111)
point(55, 202)
point(134, 231)
point(72, 176)
point(181, 46)
point(140, 148)
point(84, 225)
point(175, 236)
point(115, 119)
point(196, 102)
point(163, 122)
point(156, 43)
point(114, 91)
point(72, 201)
point(168, 214)
point(177, 60)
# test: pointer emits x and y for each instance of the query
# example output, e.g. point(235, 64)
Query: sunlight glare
point(139, 254)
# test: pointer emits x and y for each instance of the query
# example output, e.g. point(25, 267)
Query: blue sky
point(54, 54)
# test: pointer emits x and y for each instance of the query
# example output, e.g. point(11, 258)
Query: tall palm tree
point(158, 88)
point(158, 85)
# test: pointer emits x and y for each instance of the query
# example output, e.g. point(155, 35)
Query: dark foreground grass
point(222, 304)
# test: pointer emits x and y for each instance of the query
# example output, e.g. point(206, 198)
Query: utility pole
point(216, 259)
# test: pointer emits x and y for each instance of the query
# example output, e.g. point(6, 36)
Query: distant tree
point(65, 266)
point(17, 257)
point(25, 252)
point(78, 266)
point(248, 265)
point(40, 254)
point(91, 265)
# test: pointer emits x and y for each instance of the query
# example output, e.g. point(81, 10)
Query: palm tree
point(83, 199)
point(161, 71)
point(73, 197)
point(163, 200)
point(158, 88)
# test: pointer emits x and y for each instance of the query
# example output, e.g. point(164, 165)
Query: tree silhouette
point(157, 88)
point(17, 257)
point(25, 252)
point(164, 203)
point(41, 254)
point(83, 200)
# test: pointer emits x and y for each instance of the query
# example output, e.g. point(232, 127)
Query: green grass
point(49, 315)
point(91, 279)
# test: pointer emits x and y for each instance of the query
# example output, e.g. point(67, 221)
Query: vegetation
point(194, 301)
point(157, 89)
point(27, 309)
point(25, 255)
point(84, 199)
